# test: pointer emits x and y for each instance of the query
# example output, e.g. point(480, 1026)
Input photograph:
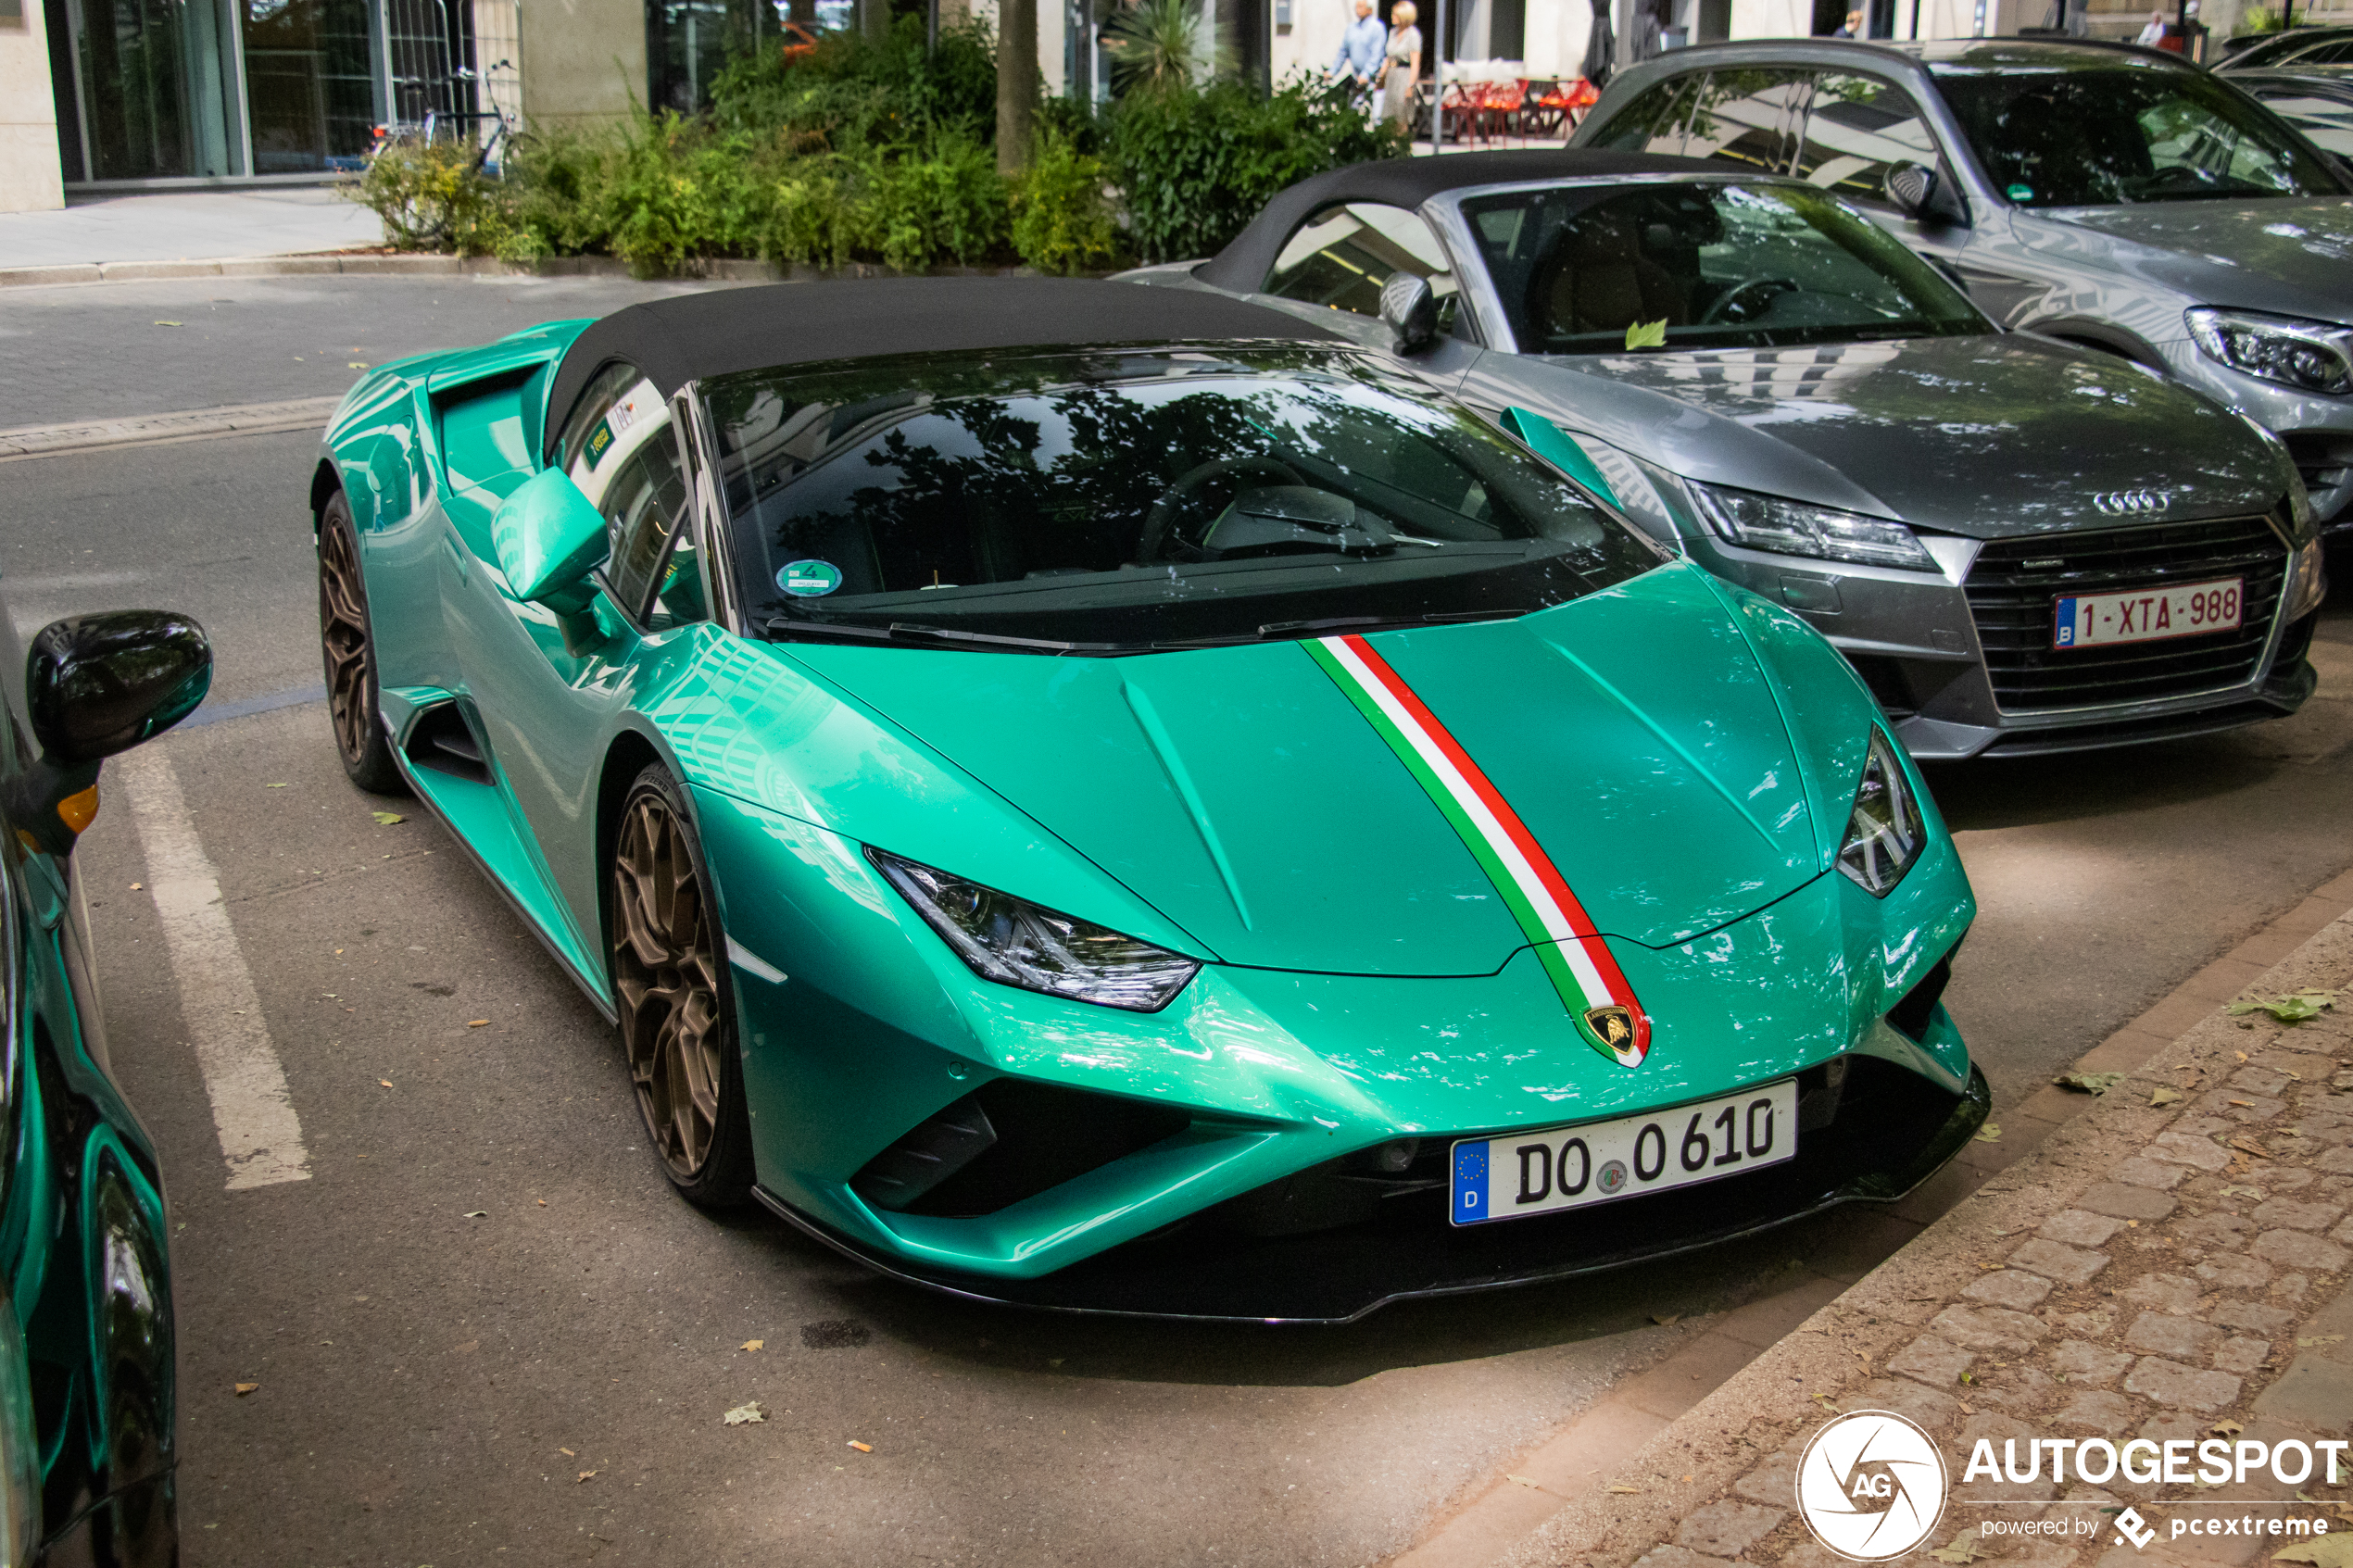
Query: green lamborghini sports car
point(1109, 799)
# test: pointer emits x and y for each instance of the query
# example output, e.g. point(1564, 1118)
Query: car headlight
point(1884, 831)
point(2310, 578)
point(1015, 942)
point(1793, 528)
point(2308, 356)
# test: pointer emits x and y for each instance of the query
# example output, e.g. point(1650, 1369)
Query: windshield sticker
point(809, 579)
point(1646, 334)
point(2020, 193)
point(1573, 953)
point(599, 442)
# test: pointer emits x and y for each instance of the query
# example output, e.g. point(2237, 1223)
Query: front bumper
point(1948, 658)
point(2318, 431)
point(1893, 1130)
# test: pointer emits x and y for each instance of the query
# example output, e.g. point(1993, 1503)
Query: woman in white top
point(1402, 68)
point(2154, 32)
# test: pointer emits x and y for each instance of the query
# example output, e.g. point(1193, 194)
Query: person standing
point(1359, 60)
point(1852, 26)
point(2154, 34)
point(1401, 69)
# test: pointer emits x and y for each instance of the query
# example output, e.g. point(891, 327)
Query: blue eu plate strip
point(2063, 623)
point(1470, 1182)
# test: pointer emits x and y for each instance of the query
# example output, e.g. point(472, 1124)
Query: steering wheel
point(1742, 290)
point(1163, 512)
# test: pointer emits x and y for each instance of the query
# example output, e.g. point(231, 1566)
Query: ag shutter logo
point(1871, 1486)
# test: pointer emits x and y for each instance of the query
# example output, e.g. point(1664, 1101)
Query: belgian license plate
point(1543, 1173)
point(2148, 615)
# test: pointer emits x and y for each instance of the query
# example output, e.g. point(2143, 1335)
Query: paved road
point(423, 1372)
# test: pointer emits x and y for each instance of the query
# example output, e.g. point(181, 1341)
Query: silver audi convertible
point(2021, 546)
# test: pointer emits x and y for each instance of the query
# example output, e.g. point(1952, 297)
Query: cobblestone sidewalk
point(2171, 1265)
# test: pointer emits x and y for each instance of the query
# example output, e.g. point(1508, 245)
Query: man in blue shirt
point(1360, 48)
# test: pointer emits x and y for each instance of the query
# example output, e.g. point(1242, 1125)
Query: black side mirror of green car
point(1925, 196)
point(549, 538)
point(94, 686)
point(1411, 310)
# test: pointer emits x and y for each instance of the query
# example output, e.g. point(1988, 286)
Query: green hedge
point(873, 151)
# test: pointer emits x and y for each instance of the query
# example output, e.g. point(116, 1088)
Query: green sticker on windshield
point(599, 441)
point(809, 579)
point(2020, 193)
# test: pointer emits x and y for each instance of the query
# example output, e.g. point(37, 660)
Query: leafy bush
point(852, 92)
point(1062, 222)
point(432, 198)
point(1196, 166)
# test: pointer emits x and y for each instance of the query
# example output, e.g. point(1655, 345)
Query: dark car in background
point(86, 1344)
point(2108, 195)
point(2295, 49)
point(2317, 100)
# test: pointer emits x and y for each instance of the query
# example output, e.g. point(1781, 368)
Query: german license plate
point(2147, 615)
point(1543, 1173)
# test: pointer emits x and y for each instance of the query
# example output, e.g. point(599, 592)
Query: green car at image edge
point(1116, 799)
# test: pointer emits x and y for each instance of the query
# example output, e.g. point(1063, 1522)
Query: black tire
point(348, 649)
point(668, 959)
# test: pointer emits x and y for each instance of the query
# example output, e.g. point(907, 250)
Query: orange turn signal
point(77, 812)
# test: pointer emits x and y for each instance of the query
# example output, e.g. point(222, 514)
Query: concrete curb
point(246, 419)
point(1657, 1490)
point(1687, 1415)
point(337, 264)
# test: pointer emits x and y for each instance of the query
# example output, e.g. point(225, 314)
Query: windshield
point(1703, 265)
point(2120, 132)
point(1123, 501)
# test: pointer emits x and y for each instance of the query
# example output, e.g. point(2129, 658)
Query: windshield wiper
point(1275, 629)
point(785, 628)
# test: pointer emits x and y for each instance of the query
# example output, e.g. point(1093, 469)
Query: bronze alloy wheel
point(349, 653)
point(670, 985)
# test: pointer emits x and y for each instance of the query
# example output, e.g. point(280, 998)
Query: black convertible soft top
point(1242, 266)
point(676, 340)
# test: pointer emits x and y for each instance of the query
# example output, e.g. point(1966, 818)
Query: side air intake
point(1011, 1138)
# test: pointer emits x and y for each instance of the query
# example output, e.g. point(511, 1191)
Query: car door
point(546, 690)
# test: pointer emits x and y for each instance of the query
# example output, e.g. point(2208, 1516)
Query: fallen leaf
point(245, 1389)
point(1966, 1408)
point(1663, 1318)
point(1687, 1478)
point(1630, 1491)
point(1991, 1266)
point(1990, 1132)
point(2311, 1339)
point(543, 1203)
point(385, 1082)
point(2166, 1097)
point(1968, 1377)
point(2089, 1082)
point(2294, 1008)
point(862, 1447)
point(1525, 1482)
point(476, 1214)
point(585, 1473)
point(567, 1453)
point(274, 787)
point(2241, 1054)
point(477, 1023)
point(2226, 1429)
point(1960, 1549)
point(138, 887)
point(388, 818)
point(361, 365)
point(753, 1345)
point(1646, 334)
point(749, 1410)
point(166, 323)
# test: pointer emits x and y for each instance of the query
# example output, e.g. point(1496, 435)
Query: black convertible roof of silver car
point(676, 340)
point(1242, 266)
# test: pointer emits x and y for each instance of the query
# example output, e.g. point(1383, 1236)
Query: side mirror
point(1925, 196)
point(96, 684)
point(1411, 310)
point(547, 539)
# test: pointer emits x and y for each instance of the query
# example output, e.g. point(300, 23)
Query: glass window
point(1653, 122)
point(644, 503)
point(156, 80)
point(2114, 132)
point(1715, 265)
point(2326, 122)
point(1122, 501)
point(309, 84)
point(1856, 128)
point(1749, 118)
point(606, 388)
point(1342, 256)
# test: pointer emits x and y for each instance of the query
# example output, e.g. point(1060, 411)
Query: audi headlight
point(1017, 943)
point(1884, 831)
point(1792, 528)
point(2310, 582)
point(2308, 356)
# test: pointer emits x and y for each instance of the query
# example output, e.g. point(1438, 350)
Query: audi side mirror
point(96, 684)
point(1925, 196)
point(1411, 310)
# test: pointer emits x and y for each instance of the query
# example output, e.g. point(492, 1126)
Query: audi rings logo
point(2129, 503)
point(1871, 1486)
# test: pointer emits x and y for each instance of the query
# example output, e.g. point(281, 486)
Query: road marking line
point(260, 1136)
